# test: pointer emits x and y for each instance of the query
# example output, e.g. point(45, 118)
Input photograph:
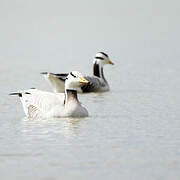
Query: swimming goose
point(37, 103)
point(97, 82)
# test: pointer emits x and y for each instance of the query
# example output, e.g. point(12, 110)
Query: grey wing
point(95, 84)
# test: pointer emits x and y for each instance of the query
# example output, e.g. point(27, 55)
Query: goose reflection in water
point(52, 127)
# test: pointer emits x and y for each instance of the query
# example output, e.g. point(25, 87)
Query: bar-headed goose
point(97, 82)
point(37, 103)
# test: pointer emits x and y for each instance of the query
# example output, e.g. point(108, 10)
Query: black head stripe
point(104, 54)
point(99, 58)
point(72, 74)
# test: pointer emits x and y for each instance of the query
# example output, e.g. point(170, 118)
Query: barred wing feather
point(36, 102)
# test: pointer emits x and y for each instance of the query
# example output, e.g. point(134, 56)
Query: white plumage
point(37, 103)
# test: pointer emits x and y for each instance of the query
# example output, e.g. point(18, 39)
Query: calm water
point(133, 131)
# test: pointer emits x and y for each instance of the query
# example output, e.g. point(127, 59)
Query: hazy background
point(133, 131)
point(39, 31)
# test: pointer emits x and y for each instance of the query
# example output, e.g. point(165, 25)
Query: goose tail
point(16, 94)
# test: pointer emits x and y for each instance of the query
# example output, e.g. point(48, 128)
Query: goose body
point(37, 103)
point(97, 82)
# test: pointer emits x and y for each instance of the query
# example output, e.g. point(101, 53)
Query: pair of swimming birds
point(64, 101)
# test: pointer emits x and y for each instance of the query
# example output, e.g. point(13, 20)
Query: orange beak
point(110, 62)
point(83, 80)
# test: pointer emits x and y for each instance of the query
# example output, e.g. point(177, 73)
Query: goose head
point(74, 80)
point(102, 58)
